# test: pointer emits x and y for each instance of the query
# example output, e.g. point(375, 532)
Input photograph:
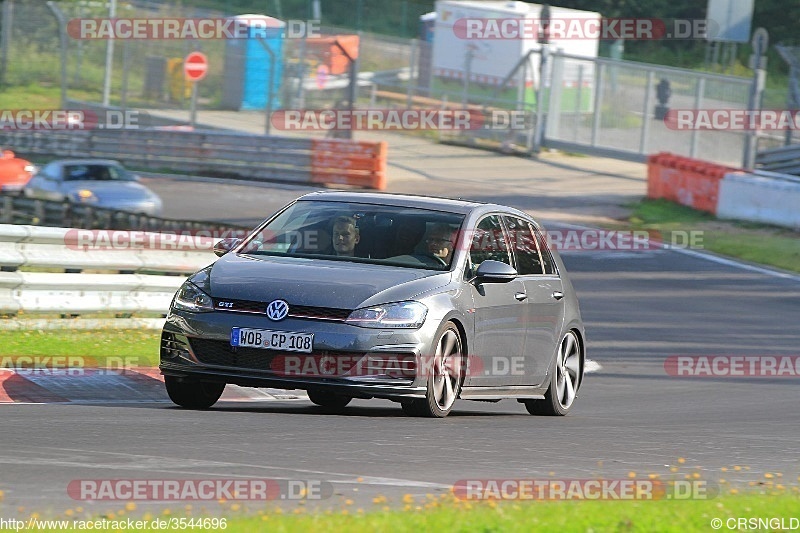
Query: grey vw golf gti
point(367, 295)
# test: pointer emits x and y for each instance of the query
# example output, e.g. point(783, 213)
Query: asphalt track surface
point(631, 416)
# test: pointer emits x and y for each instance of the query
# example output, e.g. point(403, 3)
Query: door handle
point(558, 295)
point(520, 296)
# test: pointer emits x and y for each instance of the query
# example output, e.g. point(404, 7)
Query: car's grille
point(295, 311)
point(172, 347)
point(294, 364)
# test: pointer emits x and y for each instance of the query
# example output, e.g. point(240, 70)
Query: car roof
point(453, 205)
point(108, 162)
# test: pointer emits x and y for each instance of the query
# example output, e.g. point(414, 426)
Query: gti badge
point(277, 310)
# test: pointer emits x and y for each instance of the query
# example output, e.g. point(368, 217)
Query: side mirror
point(225, 245)
point(492, 271)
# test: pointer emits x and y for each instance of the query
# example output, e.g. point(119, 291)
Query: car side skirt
point(498, 393)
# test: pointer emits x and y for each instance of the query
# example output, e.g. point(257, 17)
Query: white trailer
point(485, 40)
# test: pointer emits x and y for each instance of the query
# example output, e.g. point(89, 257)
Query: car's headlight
point(84, 195)
point(396, 315)
point(190, 298)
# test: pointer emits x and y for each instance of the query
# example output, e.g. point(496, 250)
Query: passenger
point(345, 235)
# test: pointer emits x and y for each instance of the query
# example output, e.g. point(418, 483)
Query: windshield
point(96, 173)
point(364, 233)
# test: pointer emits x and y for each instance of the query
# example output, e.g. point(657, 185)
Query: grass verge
point(139, 347)
point(596, 516)
point(752, 242)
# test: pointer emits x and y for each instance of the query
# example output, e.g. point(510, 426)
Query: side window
point(547, 259)
point(76, 172)
point(489, 242)
point(523, 243)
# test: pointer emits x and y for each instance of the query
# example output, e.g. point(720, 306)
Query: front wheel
point(564, 382)
point(193, 394)
point(444, 382)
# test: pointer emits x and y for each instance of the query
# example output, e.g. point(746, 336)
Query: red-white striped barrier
point(727, 192)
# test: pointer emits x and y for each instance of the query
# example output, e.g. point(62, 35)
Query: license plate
point(268, 339)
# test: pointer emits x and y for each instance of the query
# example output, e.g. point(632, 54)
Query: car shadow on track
point(350, 411)
point(286, 408)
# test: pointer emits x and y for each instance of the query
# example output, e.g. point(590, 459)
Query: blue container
point(250, 68)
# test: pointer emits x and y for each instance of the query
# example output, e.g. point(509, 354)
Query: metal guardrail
point(784, 159)
point(20, 210)
point(142, 277)
point(252, 157)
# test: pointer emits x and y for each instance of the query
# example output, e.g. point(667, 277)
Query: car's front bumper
point(359, 362)
point(12, 187)
point(151, 208)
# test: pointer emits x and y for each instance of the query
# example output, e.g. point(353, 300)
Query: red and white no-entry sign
point(195, 66)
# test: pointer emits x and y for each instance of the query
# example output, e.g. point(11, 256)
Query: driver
point(440, 242)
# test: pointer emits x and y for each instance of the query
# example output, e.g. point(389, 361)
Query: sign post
point(758, 62)
point(195, 67)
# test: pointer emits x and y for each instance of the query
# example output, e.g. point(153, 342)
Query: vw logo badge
point(277, 310)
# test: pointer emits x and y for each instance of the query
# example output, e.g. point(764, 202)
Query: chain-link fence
point(629, 104)
point(29, 37)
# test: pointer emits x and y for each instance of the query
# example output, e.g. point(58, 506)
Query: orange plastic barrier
point(343, 162)
point(329, 54)
point(687, 181)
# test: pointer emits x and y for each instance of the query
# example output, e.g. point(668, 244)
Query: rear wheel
point(328, 400)
point(444, 383)
point(193, 394)
point(564, 382)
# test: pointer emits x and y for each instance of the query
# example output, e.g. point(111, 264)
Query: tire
point(559, 399)
point(446, 377)
point(328, 400)
point(193, 394)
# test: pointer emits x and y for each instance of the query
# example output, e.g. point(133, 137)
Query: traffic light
point(663, 92)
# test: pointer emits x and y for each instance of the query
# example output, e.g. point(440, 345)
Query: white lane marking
point(591, 366)
point(732, 262)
